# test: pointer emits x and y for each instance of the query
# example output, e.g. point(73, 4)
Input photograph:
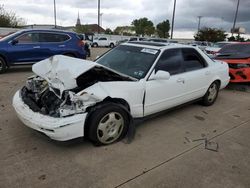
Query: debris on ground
point(209, 145)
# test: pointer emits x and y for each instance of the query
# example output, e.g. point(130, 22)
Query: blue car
point(29, 46)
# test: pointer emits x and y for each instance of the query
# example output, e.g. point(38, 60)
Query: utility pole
point(172, 27)
point(55, 12)
point(99, 16)
point(235, 17)
point(199, 23)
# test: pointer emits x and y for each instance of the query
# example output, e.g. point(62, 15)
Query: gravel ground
point(164, 153)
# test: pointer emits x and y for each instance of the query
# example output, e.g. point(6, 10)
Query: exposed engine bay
point(42, 97)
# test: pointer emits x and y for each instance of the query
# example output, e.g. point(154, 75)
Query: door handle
point(36, 46)
point(181, 80)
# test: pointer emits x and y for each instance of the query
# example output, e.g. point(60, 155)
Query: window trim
point(30, 32)
point(160, 55)
point(150, 72)
point(201, 58)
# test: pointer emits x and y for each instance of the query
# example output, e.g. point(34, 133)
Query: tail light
point(80, 43)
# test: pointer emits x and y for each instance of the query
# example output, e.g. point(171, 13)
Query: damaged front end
point(42, 98)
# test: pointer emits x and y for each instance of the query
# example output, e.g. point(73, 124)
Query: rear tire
point(107, 124)
point(111, 45)
point(95, 45)
point(211, 94)
point(3, 65)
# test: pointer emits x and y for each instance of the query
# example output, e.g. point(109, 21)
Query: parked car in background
point(100, 99)
point(137, 39)
point(158, 40)
point(29, 46)
point(201, 44)
point(238, 58)
point(104, 42)
point(87, 43)
point(214, 48)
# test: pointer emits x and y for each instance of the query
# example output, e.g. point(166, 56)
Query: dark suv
point(29, 46)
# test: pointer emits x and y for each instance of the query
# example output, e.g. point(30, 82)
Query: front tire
point(3, 66)
point(111, 45)
point(95, 45)
point(211, 94)
point(107, 124)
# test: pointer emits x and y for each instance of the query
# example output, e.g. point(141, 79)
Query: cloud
point(215, 13)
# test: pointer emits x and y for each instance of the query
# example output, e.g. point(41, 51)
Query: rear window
point(235, 48)
point(53, 37)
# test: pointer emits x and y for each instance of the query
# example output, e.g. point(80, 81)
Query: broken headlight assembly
point(76, 103)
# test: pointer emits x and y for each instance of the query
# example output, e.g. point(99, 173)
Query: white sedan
point(69, 98)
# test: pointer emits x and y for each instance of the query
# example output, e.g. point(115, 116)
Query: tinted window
point(28, 38)
point(133, 39)
point(170, 61)
point(235, 48)
point(102, 38)
point(192, 59)
point(52, 37)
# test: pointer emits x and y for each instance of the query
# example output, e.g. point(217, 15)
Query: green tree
point(163, 28)
point(81, 29)
point(9, 19)
point(237, 38)
point(108, 31)
point(143, 26)
point(124, 30)
point(210, 35)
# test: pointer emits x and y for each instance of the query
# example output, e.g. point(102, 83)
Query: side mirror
point(14, 41)
point(161, 75)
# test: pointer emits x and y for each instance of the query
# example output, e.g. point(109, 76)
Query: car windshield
point(235, 48)
point(130, 60)
point(10, 36)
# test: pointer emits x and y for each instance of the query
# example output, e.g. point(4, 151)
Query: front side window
point(192, 60)
point(102, 38)
point(28, 38)
point(170, 61)
point(130, 60)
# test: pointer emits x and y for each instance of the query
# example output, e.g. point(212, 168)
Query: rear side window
point(53, 37)
point(28, 38)
point(170, 61)
point(192, 60)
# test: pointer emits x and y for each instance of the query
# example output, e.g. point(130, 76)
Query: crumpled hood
point(61, 71)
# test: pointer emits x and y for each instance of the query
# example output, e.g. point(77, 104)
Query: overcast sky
point(216, 13)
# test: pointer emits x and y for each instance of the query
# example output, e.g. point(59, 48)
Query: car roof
point(157, 45)
point(48, 30)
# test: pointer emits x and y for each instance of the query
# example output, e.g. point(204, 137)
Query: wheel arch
point(5, 59)
point(119, 101)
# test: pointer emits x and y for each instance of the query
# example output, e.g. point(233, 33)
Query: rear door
point(53, 43)
point(197, 74)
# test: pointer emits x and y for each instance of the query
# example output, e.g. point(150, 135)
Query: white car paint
point(61, 72)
